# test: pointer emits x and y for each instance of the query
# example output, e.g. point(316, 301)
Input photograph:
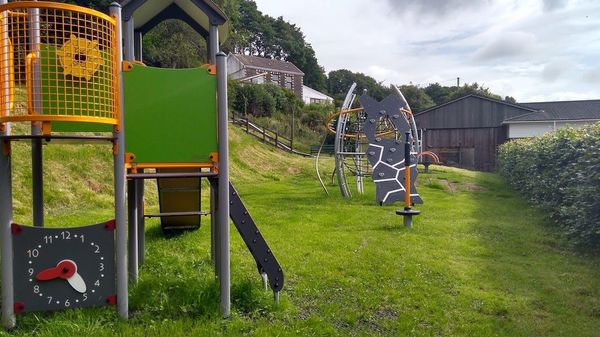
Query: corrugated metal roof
point(258, 62)
point(560, 110)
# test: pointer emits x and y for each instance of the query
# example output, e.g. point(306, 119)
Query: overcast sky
point(534, 50)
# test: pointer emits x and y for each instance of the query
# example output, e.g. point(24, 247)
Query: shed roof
point(560, 110)
point(257, 62)
point(520, 106)
point(199, 14)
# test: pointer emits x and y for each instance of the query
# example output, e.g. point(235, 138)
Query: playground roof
point(199, 14)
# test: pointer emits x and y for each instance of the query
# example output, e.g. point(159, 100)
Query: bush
point(560, 172)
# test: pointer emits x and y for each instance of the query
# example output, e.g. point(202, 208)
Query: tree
point(257, 34)
point(341, 80)
point(416, 97)
point(174, 44)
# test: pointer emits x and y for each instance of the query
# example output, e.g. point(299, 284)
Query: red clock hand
point(64, 269)
point(48, 274)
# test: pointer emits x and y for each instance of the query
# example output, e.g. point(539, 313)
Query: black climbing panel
point(265, 260)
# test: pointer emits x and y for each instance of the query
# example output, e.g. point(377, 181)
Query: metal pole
point(213, 227)
point(6, 213)
point(223, 202)
point(141, 221)
point(37, 170)
point(119, 181)
point(213, 43)
point(132, 213)
point(128, 43)
point(137, 44)
point(6, 205)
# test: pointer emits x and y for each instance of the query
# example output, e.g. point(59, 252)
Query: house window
point(289, 82)
point(275, 78)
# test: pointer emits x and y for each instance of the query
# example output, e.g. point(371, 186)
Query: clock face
point(60, 268)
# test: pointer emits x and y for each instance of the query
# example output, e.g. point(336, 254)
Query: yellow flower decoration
point(80, 57)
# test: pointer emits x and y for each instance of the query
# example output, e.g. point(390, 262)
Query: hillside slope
point(478, 261)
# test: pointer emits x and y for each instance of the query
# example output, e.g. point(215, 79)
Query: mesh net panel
point(57, 63)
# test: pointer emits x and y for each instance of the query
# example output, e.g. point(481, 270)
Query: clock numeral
point(36, 289)
point(97, 283)
point(67, 303)
point(66, 235)
point(82, 240)
point(48, 239)
point(49, 299)
point(101, 266)
point(30, 271)
point(97, 251)
point(84, 296)
point(33, 253)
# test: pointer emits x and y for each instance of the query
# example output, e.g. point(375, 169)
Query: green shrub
point(560, 172)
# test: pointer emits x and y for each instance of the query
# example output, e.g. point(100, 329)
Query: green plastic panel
point(170, 115)
point(67, 95)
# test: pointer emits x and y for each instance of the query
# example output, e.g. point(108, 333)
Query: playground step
point(178, 175)
point(173, 214)
point(265, 260)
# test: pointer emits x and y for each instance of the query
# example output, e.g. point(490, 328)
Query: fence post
point(263, 132)
point(247, 122)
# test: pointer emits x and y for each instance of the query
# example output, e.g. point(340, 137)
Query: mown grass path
point(478, 262)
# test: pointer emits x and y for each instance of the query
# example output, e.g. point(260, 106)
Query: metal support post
point(132, 213)
point(6, 205)
point(407, 212)
point(6, 213)
point(141, 220)
point(223, 202)
point(119, 181)
point(37, 177)
point(128, 43)
point(213, 225)
point(138, 45)
point(213, 43)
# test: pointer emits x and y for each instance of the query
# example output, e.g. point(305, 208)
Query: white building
point(551, 116)
point(311, 96)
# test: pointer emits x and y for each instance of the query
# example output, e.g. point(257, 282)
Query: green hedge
point(560, 172)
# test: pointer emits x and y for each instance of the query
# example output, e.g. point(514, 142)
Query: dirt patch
point(448, 186)
point(293, 170)
point(472, 187)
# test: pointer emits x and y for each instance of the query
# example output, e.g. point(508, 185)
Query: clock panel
point(61, 268)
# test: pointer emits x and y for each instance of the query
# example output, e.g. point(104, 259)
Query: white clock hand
point(77, 283)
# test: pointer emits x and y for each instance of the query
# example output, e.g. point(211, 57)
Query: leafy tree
point(473, 88)
point(174, 44)
point(510, 99)
point(341, 80)
point(257, 34)
point(416, 97)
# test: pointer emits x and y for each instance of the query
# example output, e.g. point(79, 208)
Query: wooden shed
point(466, 132)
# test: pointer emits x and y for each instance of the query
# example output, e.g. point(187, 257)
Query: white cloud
point(531, 50)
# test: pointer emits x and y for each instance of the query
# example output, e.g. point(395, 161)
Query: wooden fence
point(267, 136)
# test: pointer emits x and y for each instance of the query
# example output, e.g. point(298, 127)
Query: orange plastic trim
point(46, 128)
point(61, 118)
point(140, 166)
point(211, 68)
point(127, 66)
point(129, 157)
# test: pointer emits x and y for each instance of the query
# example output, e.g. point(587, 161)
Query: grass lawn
point(478, 262)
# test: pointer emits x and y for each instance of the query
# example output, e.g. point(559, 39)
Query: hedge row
point(560, 172)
